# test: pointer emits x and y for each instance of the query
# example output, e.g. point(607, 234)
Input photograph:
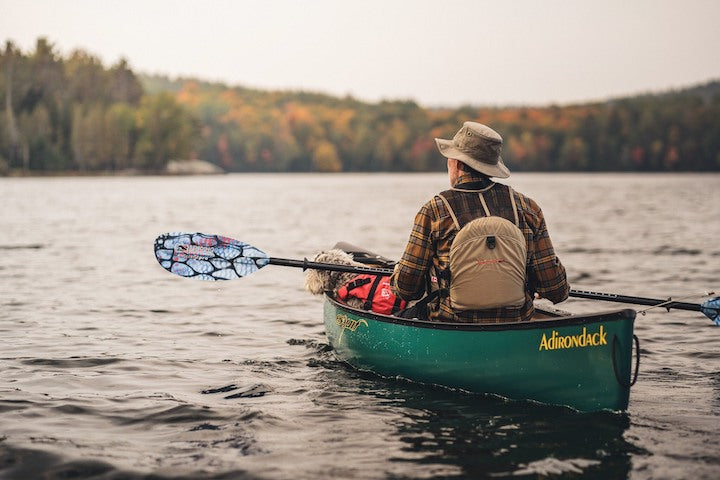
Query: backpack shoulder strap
point(484, 204)
point(450, 210)
point(511, 193)
point(513, 203)
point(514, 206)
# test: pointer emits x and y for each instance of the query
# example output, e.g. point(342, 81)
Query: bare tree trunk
point(16, 146)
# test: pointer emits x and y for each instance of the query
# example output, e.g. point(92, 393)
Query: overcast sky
point(446, 52)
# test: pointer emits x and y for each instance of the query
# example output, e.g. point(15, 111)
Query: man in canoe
point(480, 251)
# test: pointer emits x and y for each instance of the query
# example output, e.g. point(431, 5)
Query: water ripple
point(72, 362)
point(553, 466)
point(248, 391)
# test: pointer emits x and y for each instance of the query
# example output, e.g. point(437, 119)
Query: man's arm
point(550, 278)
point(408, 280)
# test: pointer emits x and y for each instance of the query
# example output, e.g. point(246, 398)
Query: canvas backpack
point(488, 260)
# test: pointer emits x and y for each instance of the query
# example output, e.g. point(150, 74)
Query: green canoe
point(580, 361)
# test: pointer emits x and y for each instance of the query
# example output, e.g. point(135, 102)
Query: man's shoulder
point(525, 203)
point(445, 194)
point(436, 206)
point(529, 209)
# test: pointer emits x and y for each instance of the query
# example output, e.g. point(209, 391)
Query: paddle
point(711, 308)
point(215, 257)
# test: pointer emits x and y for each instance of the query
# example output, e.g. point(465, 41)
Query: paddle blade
point(207, 257)
point(711, 309)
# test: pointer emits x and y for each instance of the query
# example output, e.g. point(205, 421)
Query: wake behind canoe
point(580, 361)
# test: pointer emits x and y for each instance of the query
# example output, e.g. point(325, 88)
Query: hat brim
point(447, 149)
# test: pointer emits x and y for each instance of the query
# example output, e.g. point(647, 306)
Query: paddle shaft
point(305, 264)
point(608, 297)
point(612, 297)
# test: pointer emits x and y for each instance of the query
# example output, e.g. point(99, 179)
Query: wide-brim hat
point(478, 146)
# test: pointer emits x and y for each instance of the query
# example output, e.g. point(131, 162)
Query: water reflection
point(715, 382)
point(478, 436)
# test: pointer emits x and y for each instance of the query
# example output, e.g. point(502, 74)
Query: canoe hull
point(583, 362)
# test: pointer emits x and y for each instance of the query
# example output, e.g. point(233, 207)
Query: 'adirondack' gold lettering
point(585, 339)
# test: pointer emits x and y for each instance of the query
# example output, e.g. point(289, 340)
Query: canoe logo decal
point(348, 323)
point(584, 339)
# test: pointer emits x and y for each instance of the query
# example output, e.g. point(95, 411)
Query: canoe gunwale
point(563, 320)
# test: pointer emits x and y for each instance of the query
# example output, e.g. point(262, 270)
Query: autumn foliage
point(72, 113)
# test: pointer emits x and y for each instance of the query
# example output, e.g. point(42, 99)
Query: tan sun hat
point(478, 146)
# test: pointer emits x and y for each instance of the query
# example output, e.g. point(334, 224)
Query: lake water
point(113, 368)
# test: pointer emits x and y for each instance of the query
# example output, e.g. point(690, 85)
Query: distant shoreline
point(173, 168)
point(136, 173)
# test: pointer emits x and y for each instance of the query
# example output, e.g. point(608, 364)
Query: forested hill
point(246, 129)
point(74, 114)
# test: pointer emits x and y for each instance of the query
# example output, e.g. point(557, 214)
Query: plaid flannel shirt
point(434, 231)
